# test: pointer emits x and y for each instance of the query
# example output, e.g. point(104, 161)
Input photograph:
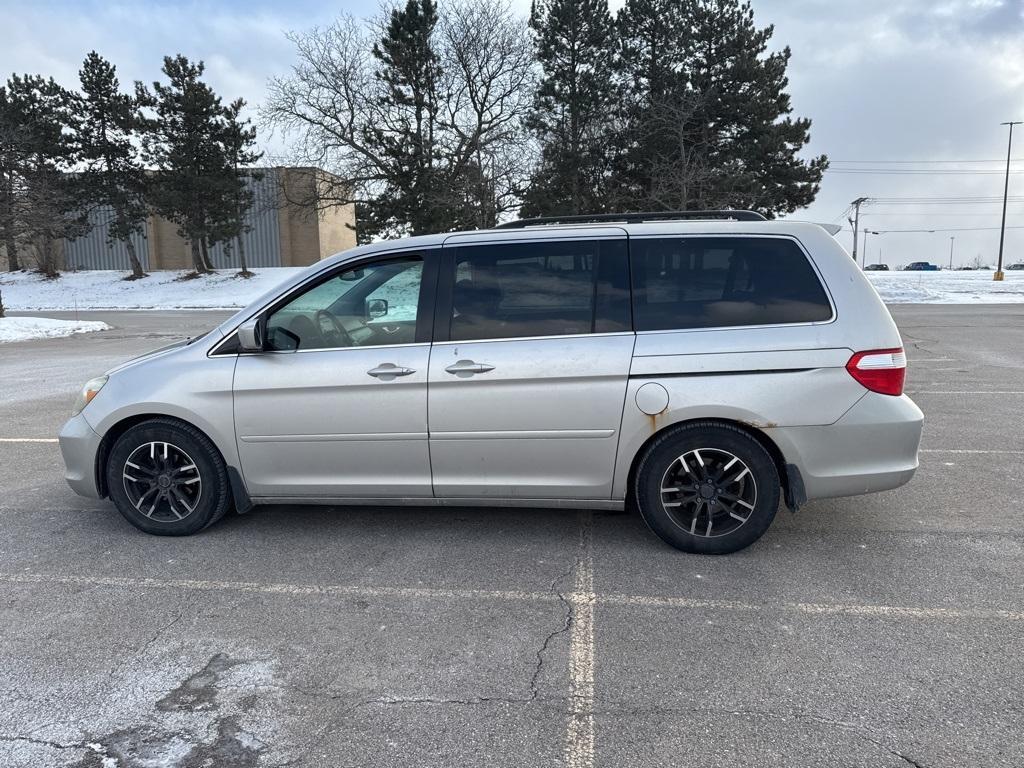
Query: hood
point(157, 352)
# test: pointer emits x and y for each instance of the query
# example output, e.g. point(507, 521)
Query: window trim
point(431, 258)
point(746, 236)
point(449, 342)
point(443, 305)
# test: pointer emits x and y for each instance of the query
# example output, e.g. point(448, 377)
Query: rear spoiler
point(832, 229)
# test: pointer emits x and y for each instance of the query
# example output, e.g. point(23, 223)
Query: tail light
point(880, 370)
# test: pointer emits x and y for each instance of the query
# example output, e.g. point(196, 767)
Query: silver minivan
point(702, 368)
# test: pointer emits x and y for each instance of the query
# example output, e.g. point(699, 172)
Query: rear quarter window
point(718, 282)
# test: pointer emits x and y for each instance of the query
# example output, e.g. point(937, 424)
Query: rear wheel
point(707, 488)
point(167, 478)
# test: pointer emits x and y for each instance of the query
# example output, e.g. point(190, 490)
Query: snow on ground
point(968, 287)
point(106, 289)
point(166, 290)
point(27, 328)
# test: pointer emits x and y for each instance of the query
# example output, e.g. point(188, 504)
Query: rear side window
point(715, 282)
point(539, 289)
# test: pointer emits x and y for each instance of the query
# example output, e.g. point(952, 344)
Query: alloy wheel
point(162, 482)
point(708, 492)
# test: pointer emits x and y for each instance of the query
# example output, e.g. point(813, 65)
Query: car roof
point(533, 232)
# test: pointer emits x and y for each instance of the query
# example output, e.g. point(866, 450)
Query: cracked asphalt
point(883, 630)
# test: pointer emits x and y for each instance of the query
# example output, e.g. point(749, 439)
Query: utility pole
point(855, 221)
point(951, 251)
point(1006, 188)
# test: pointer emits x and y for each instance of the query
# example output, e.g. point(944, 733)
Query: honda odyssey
point(704, 368)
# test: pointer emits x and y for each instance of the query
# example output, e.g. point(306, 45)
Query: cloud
point(909, 80)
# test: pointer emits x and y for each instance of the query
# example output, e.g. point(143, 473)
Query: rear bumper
point(78, 445)
point(873, 447)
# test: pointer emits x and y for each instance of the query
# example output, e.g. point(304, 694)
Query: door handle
point(468, 368)
point(388, 371)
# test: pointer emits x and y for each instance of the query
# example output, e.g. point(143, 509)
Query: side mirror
point(252, 336)
point(376, 308)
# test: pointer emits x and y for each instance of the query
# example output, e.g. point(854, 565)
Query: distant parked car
point(876, 268)
point(1017, 266)
point(921, 266)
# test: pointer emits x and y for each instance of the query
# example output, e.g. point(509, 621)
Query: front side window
point(368, 305)
point(715, 282)
point(539, 289)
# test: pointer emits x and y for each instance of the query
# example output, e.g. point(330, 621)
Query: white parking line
point(583, 599)
point(967, 392)
point(893, 610)
point(277, 589)
point(28, 439)
point(971, 450)
point(579, 742)
point(652, 601)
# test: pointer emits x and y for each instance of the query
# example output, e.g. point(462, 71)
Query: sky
point(906, 97)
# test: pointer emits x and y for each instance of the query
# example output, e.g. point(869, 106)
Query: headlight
point(89, 391)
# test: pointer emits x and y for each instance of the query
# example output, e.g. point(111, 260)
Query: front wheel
point(707, 488)
point(167, 478)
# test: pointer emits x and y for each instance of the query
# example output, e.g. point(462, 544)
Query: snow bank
point(166, 290)
point(973, 287)
point(27, 328)
point(104, 289)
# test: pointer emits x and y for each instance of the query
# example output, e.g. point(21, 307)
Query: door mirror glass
point(376, 308)
point(251, 336)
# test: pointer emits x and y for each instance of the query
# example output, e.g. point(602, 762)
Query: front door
point(529, 370)
point(337, 406)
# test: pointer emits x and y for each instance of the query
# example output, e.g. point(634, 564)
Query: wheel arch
point(789, 475)
point(120, 427)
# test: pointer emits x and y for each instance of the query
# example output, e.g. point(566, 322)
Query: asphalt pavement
point(884, 630)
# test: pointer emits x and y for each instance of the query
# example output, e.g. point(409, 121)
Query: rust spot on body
point(759, 425)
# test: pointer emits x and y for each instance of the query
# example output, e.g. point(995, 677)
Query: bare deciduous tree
point(456, 149)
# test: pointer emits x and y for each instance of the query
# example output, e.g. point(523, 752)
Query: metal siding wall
point(263, 240)
point(93, 251)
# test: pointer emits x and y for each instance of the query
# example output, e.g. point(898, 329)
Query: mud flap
point(796, 494)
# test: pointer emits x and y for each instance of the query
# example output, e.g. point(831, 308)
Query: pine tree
point(754, 140)
point(113, 175)
point(707, 123)
point(407, 142)
point(15, 135)
point(39, 199)
point(653, 39)
point(237, 138)
point(182, 143)
point(572, 107)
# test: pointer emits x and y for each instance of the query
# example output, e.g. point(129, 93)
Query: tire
point(167, 478)
point(681, 501)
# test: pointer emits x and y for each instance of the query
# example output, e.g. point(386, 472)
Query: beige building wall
point(167, 249)
point(305, 234)
point(337, 230)
point(308, 235)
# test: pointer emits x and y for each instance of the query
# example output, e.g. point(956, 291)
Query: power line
point(953, 229)
point(908, 162)
point(911, 214)
point(916, 172)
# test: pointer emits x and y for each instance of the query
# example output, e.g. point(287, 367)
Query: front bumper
point(78, 445)
point(873, 447)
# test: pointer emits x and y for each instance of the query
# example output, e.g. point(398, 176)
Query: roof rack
point(634, 218)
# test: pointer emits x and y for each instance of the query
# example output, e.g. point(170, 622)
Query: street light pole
point(866, 233)
point(951, 251)
point(856, 222)
point(1006, 188)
